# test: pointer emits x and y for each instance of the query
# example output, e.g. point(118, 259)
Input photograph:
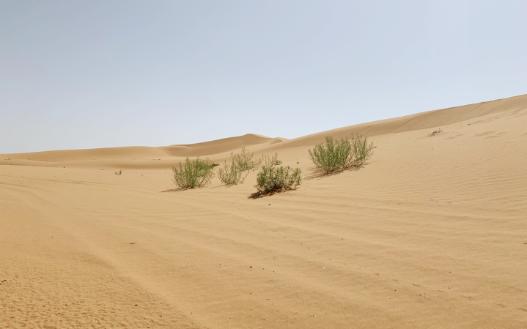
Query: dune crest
point(134, 156)
point(143, 157)
point(423, 120)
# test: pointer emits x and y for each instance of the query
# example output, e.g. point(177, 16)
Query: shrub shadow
point(316, 173)
point(258, 195)
point(175, 190)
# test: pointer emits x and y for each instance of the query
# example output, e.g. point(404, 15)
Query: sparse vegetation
point(275, 178)
point(436, 132)
point(244, 160)
point(234, 171)
point(230, 173)
point(193, 173)
point(362, 150)
point(270, 160)
point(338, 155)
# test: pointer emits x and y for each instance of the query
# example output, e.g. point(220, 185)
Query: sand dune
point(219, 146)
point(432, 233)
point(418, 121)
point(135, 156)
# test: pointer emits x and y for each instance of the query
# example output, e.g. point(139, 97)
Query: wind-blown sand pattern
point(432, 233)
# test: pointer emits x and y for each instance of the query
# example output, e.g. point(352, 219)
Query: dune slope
point(134, 156)
point(430, 234)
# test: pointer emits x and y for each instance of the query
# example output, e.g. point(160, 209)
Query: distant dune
point(135, 156)
point(219, 145)
point(432, 233)
point(141, 156)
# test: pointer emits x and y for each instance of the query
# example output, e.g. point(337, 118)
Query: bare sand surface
point(432, 233)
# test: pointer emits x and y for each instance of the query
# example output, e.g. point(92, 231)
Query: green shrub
point(270, 160)
point(244, 160)
point(361, 150)
point(234, 171)
point(193, 173)
point(230, 173)
point(273, 178)
point(338, 155)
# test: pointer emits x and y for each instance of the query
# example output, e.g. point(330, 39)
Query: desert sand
point(432, 233)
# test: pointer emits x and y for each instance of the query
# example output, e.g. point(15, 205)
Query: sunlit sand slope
point(432, 233)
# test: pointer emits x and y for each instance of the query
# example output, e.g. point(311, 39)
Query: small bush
point(337, 155)
point(270, 160)
point(230, 173)
point(272, 179)
point(244, 160)
point(361, 150)
point(436, 132)
point(234, 172)
point(332, 156)
point(193, 173)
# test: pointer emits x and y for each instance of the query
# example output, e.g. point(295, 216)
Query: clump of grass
point(362, 150)
point(332, 156)
point(230, 173)
point(234, 171)
point(274, 178)
point(244, 160)
point(338, 155)
point(270, 160)
point(193, 173)
point(436, 132)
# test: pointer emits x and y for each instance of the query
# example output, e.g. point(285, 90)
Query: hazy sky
point(76, 74)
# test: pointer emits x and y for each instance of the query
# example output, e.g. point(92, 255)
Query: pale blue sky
point(77, 74)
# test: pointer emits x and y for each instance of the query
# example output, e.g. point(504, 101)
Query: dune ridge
point(135, 156)
point(423, 120)
point(141, 156)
